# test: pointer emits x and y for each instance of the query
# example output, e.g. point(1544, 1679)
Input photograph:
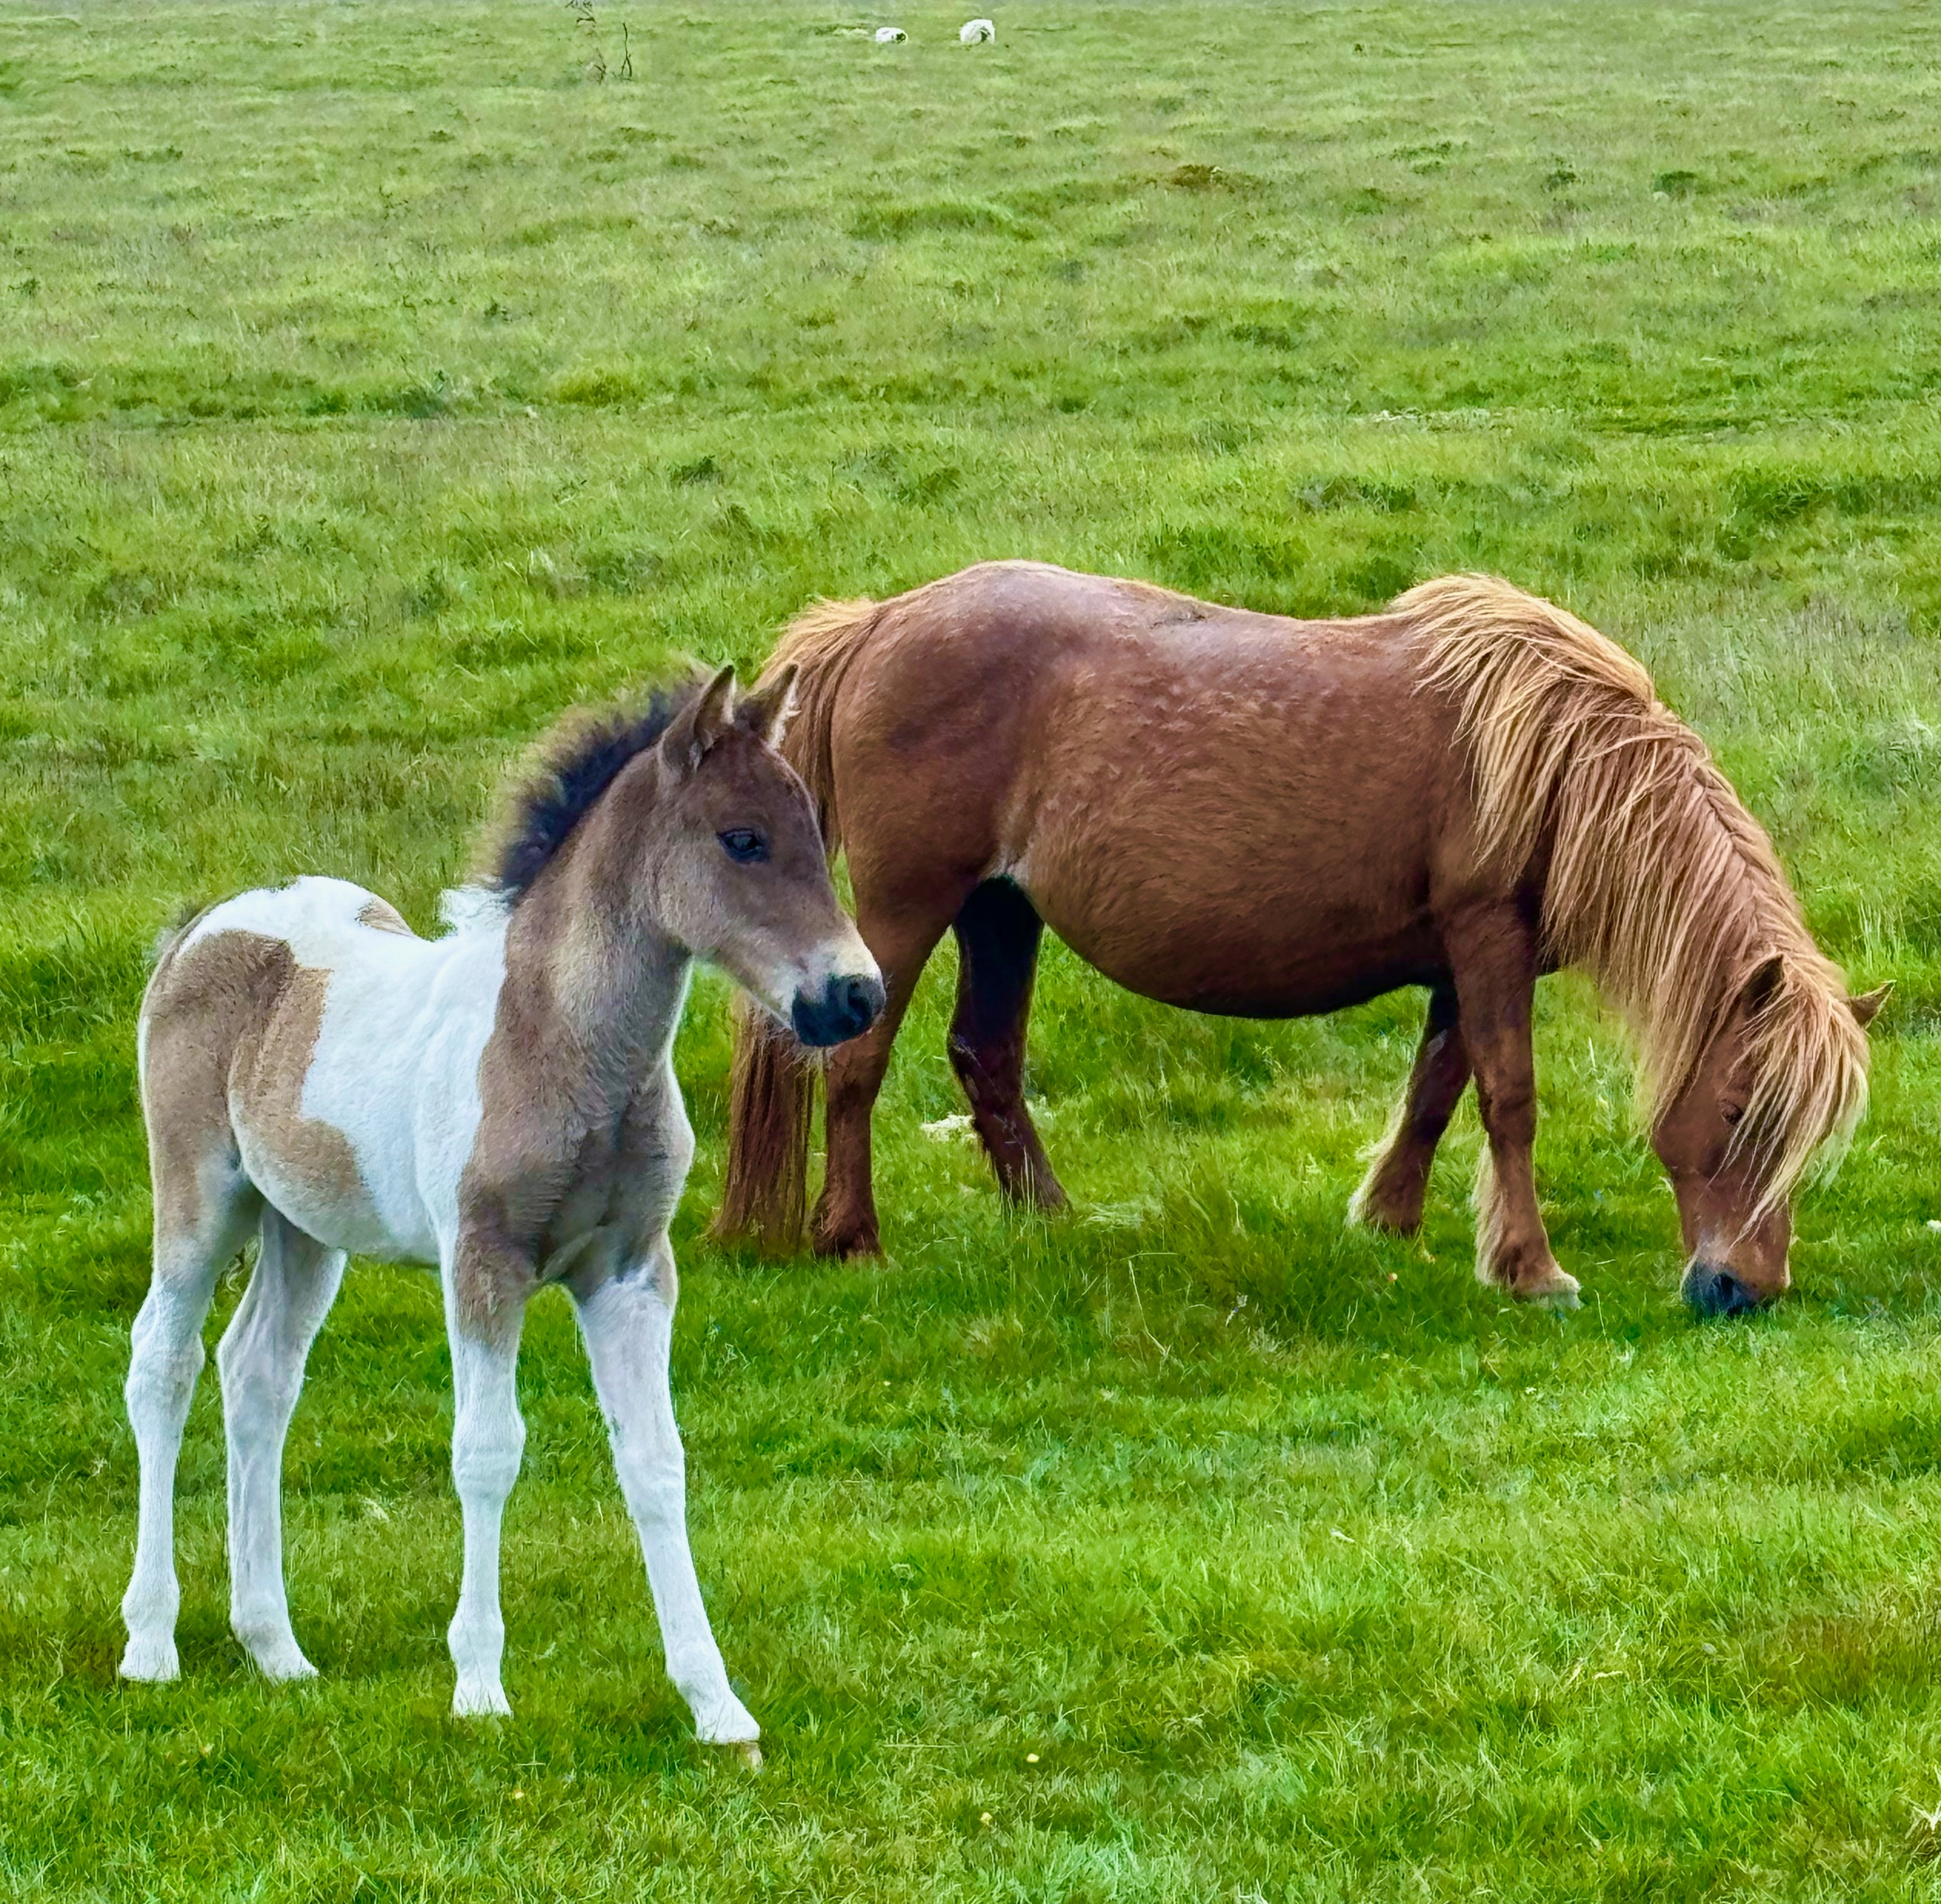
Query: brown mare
point(1242, 813)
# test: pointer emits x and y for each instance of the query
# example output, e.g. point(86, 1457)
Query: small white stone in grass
point(973, 31)
point(889, 36)
point(1934, 1223)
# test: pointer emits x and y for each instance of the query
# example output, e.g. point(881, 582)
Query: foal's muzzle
point(1711, 1290)
point(844, 1008)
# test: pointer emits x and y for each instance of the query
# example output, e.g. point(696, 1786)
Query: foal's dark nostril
point(863, 997)
point(847, 1008)
point(1714, 1291)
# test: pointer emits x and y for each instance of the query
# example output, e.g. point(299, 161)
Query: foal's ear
point(764, 711)
point(1866, 1007)
point(700, 723)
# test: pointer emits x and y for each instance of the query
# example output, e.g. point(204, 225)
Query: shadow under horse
point(1246, 814)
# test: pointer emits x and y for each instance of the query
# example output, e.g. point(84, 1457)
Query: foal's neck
point(587, 931)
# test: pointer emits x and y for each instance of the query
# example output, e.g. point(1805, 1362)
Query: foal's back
point(297, 1043)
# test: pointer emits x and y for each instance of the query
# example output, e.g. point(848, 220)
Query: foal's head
point(738, 875)
point(690, 825)
point(1781, 1082)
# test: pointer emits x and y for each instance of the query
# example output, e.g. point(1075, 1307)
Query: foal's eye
point(744, 846)
point(1734, 1112)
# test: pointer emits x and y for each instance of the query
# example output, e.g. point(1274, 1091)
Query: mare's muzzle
point(844, 1008)
point(1710, 1290)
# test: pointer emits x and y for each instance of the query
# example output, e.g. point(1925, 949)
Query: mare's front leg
point(485, 1293)
point(1493, 953)
point(627, 1320)
point(901, 938)
point(1391, 1195)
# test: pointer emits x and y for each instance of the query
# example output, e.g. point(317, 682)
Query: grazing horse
point(1245, 813)
point(500, 1102)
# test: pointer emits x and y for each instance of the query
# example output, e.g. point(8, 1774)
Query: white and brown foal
point(500, 1102)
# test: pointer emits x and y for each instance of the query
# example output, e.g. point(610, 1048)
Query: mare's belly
point(1252, 909)
point(1247, 962)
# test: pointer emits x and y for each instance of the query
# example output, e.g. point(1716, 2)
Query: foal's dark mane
point(562, 778)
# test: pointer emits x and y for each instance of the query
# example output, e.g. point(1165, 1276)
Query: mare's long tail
point(765, 1199)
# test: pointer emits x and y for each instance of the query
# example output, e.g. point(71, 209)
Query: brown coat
point(1238, 812)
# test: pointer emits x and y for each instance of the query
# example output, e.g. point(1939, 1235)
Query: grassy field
point(374, 383)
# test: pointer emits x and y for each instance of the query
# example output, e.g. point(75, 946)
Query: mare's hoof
point(1367, 1210)
point(1546, 1284)
point(1554, 1291)
point(1039, 1190)
point(847, 1245)
point(1383, 1223)
point(745, 1752)
point(151, 1660)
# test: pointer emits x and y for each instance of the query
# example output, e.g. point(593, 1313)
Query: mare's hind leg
point(998, 935)
point(1391, 1195)
point(203, 1207)
point(901, 942)
point(261, 1362)
point(1492, 954)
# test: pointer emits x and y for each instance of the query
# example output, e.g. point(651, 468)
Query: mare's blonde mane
point(1659, 884)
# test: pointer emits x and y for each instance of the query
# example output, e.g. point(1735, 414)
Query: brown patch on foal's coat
point(266, 1093)
point(231, 1024)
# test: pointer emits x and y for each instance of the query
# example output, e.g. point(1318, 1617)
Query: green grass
point(372, 385)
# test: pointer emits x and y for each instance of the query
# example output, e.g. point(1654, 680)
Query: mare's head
point(1777, 1087)
point(698, 830)
point(741, 877)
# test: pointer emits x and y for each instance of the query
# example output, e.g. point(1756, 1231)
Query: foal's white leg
point(628, 1323)
point(487, 1439)
point(167, 1356)
point(261, 1365)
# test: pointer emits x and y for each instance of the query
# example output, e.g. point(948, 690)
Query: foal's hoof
point(745, 1752)
point(473, 1699)
point(281, 1662)
point(150, 1659)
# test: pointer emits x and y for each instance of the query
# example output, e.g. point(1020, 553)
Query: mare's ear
point(764, 710)
point(1763, 982)
point(700, 723)
point(1866, 1007)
